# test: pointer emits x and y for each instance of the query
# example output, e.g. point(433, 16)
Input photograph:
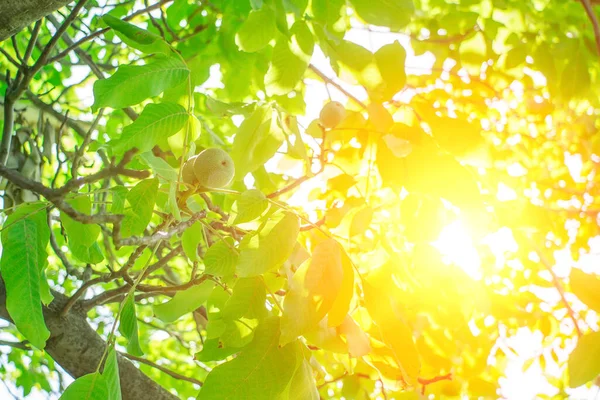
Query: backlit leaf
point(361, 221)
point(141, 199)
point(313, 290)
point(190, 240)
point(262, 370)
point(584, 361)
point(289, 60)
point(272, 250)
point(184, 302)
point(390, 62)
point(221, 258)
point(155, 123)
point(256, 141)
point(131, 85)
point(586, 287)
point(251, 204)
point(257, 31)
point(247, 300)
point(341, 305)
point(394, 14)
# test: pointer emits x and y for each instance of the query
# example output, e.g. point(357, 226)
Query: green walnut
point(211, 169)
point(187, 172)
point(332, 114)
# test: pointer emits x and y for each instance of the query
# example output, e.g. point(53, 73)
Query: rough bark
point(17, 14)
point(77, 348)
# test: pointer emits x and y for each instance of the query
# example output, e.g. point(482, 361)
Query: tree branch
point(17, 14)
point(77, 348)
point(589, 10)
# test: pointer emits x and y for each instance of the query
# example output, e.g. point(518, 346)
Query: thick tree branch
point(17, 14)
point(77, 348)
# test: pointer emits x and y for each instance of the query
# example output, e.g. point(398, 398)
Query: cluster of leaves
point(352, 297)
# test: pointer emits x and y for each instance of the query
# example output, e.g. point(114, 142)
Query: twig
point(17, 345)
point(81, 291)
point(167, 371)
point(158, 236)
point(425, 382)
point(86, 141)
point(10, 58)
point(336, 85)
point(589, 10)
point(104, 30)
point(32, 40)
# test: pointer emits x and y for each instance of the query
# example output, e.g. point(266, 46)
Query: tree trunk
point(17, 14)
point(77, 348)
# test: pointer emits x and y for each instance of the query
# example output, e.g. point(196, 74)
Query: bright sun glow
point(456, 245)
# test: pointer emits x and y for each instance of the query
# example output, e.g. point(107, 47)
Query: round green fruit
point(332, 114)
point(213, 168)
point(187, 172)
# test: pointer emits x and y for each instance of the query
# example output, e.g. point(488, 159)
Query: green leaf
point(289, 60)
point(390, 61)
point(131, 85)
point(586, 287)
point(256, 141)
point(361, 221)
point(190, 240)
point(192, 129)
point(155, 123)
point(271, 250)
point(394, 14)
point(141, 199)
point(247, 300)
point(358, 64)
point(91, 255)
point(213, 350)
point(129, 328)
point(380, 117)
point(457, 135)
point(251, 204)
point(313, 290)
point(584, 361)
point(221, 258)
point(82, 237)
point(394, 330)
point(257, 31)
point(160, 167)
point(302, 386)
point(184, 302)
point(262, 370)
point(327, 11)
point(25, 235)
point(136, 37)
point(575, 79)
point(341, 305)
point(119, 196)
point(111, 376)
point(87, 387)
